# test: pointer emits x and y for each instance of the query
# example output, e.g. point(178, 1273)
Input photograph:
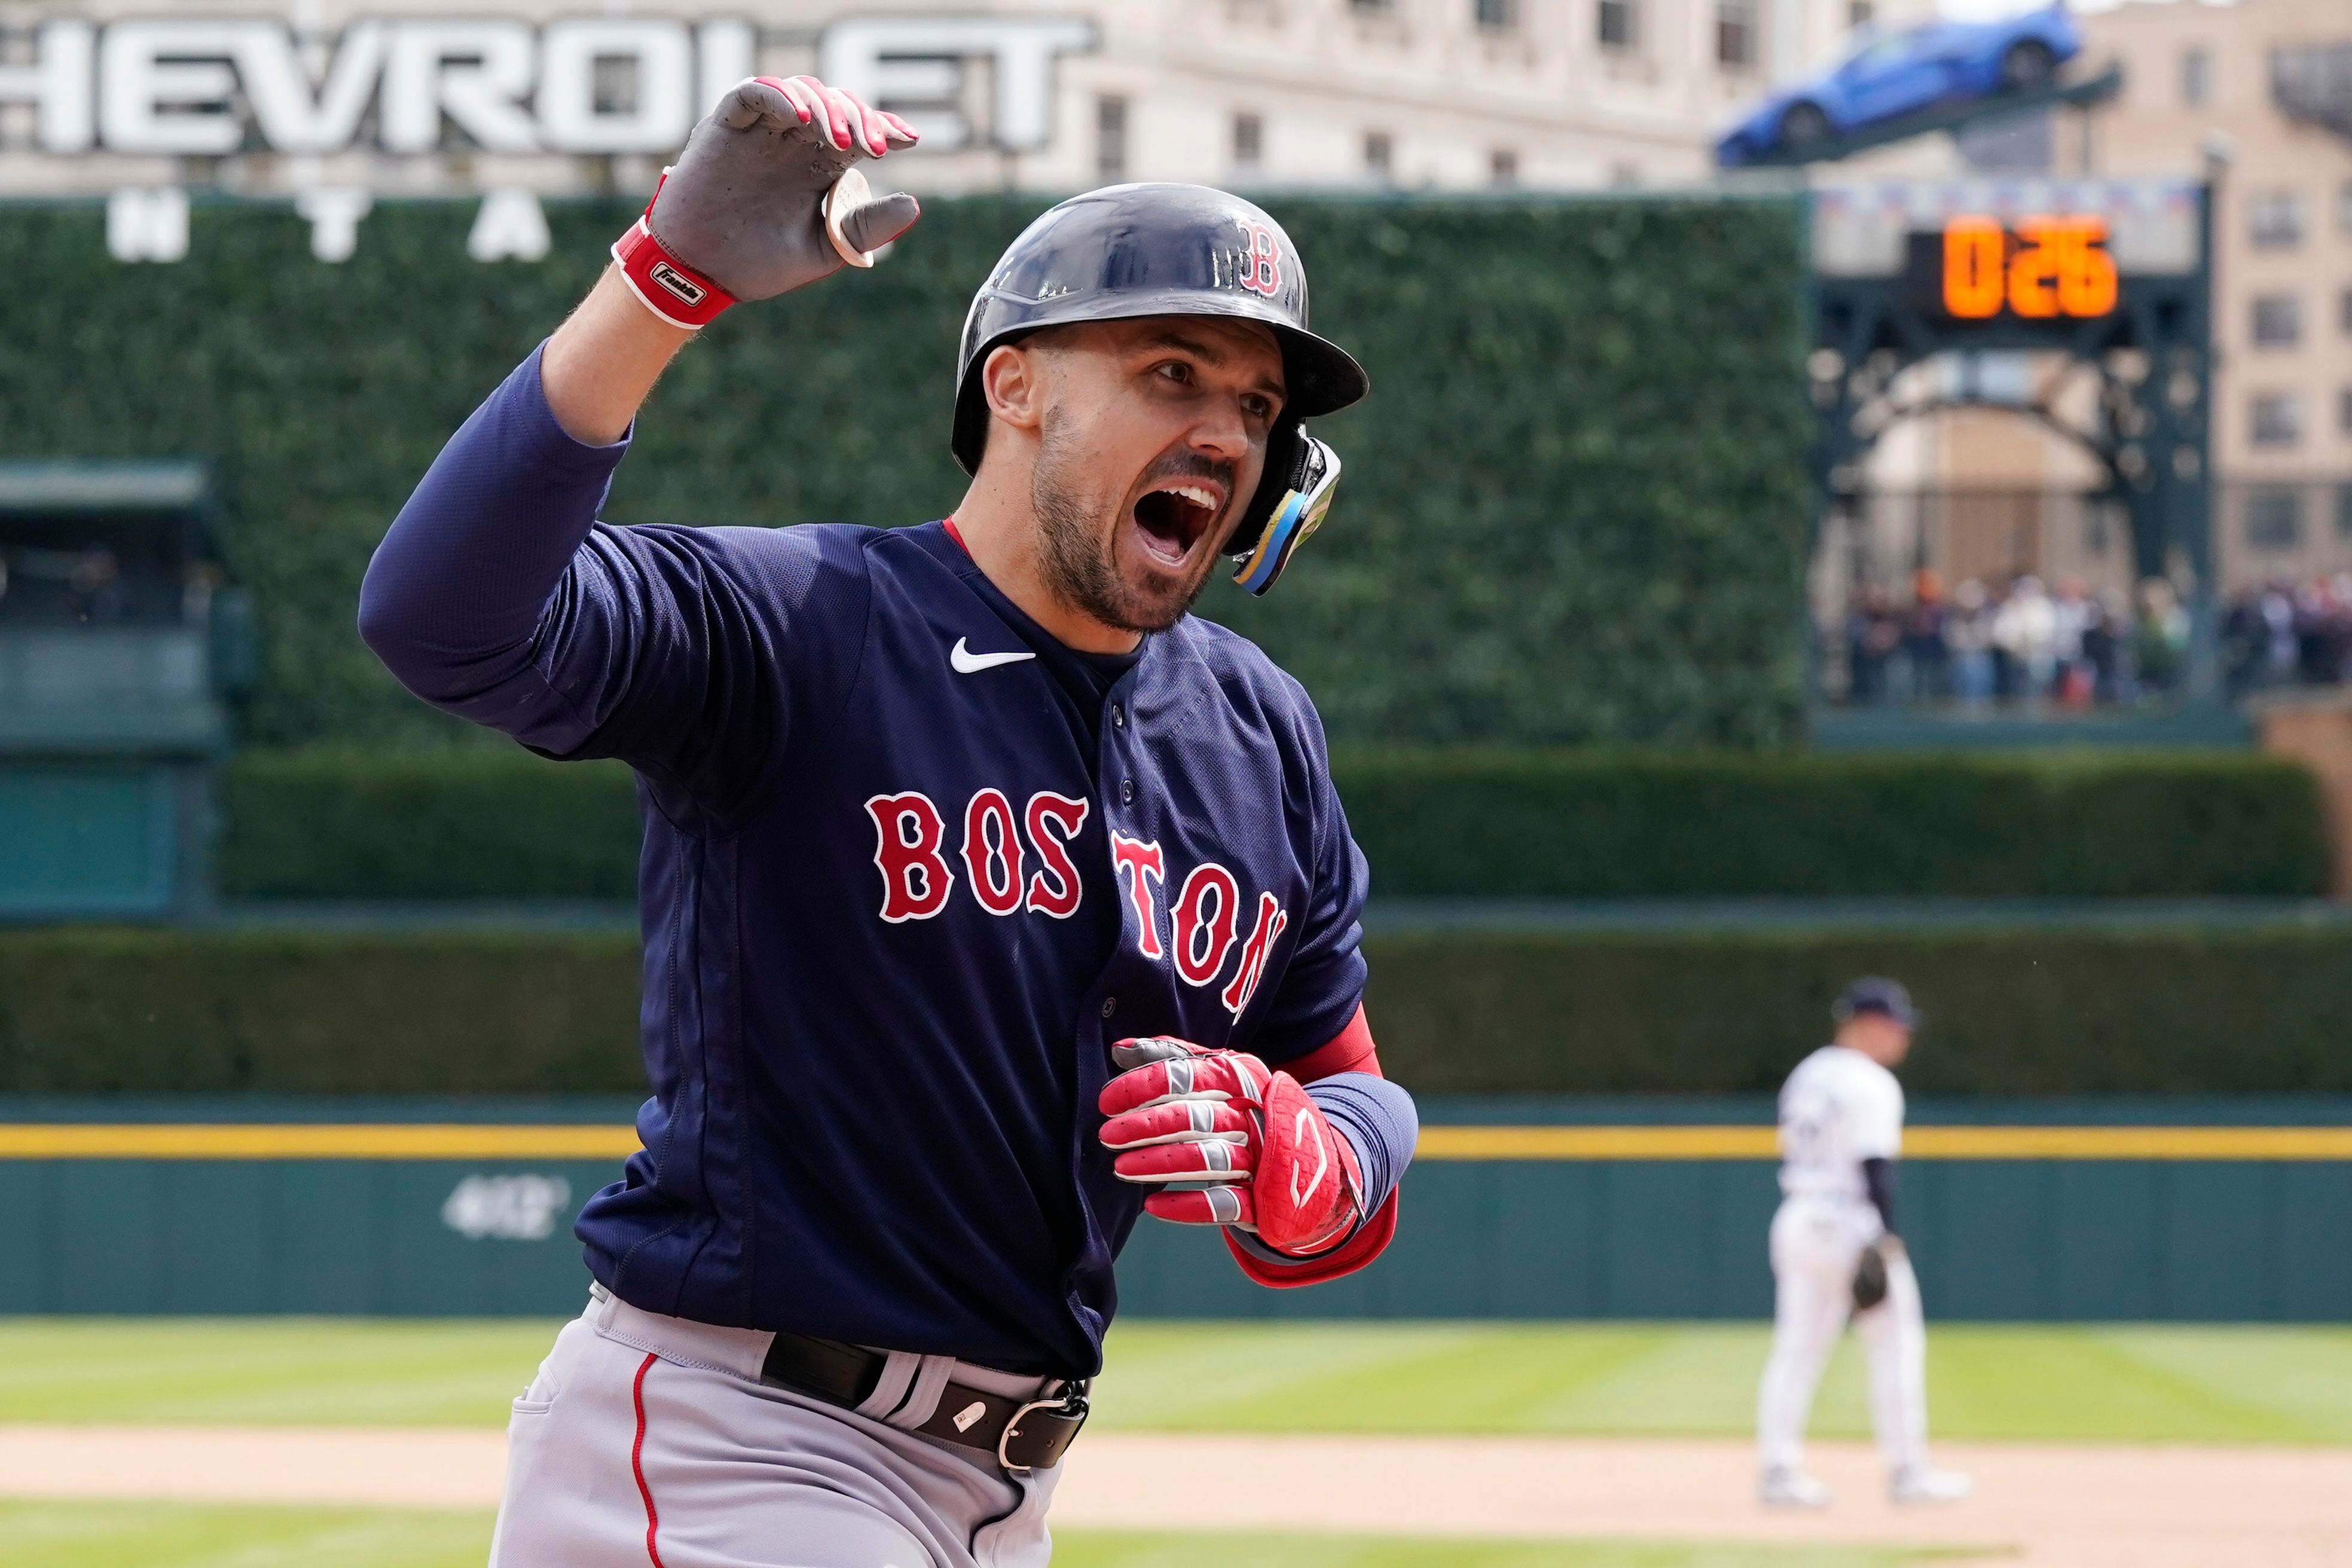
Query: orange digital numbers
point(2087, 285)
point(2045, 268)
point(2034, 270)
point(1976, 265)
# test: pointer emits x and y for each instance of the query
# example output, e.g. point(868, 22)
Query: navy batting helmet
point(1129, 251)
point(1872, 993)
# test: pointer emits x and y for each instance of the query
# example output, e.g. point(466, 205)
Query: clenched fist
point(766, 198)
point(1226, 1140)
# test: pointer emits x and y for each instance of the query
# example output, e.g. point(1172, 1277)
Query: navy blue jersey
point(910, 866)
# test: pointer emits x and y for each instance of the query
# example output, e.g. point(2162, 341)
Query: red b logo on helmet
point(1264, 271)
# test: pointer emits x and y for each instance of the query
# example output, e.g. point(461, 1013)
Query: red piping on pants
point(637, 1459)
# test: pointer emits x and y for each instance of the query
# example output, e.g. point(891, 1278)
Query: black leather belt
point(1022, 1435)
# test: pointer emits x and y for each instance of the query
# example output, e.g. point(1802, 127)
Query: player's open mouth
point(1172, 516)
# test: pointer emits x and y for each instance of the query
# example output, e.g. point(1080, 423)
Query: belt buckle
point(1069, 1400)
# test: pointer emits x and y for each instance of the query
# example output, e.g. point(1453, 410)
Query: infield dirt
point(2039, 1505)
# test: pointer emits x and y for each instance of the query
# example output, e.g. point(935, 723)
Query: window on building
point(1860, 13)
point(1380, 156)
point(1624, 176)
point(1620, 23)
point(2344, 411)
point(1503, 166)
point(2278, 320)
point(2277, 219)
point(1110, 138)
point(1373, 6)
point(1734, 34)
point(1249, 141)
point(2277, 419)
point(2343, 513)
point(2344, 312)
point(612, 83)
point(1495, 13)
point(2275, 518)
point(2344, 208)
point(2196, 76)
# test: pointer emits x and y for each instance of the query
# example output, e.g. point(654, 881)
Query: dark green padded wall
point(2000, 1239)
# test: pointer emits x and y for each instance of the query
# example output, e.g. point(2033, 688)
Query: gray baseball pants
point(649, 1442)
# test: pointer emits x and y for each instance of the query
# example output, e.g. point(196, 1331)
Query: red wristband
point(670, 288)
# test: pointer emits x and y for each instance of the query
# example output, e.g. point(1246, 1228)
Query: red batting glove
point(1226, 1140)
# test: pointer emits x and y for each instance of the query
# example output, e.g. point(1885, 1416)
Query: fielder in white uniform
point(1837, 1255)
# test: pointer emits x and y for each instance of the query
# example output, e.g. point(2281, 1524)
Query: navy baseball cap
point(1873, 995)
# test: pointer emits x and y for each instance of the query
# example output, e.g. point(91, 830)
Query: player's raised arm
point(494, 596)
point(765, 199)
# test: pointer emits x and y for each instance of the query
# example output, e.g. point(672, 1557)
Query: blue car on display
point(1898, 74)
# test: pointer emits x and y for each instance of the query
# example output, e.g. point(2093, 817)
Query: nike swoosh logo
point(968, 662)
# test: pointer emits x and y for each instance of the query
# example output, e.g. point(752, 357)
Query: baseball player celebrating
point(1837, 1254)
point(989, 900)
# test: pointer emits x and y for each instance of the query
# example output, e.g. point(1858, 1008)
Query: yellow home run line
point(311, 1141)
point(1918, 1144)
point(457, 1141)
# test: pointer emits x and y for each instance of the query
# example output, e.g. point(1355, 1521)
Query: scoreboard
point(2022, 261)
point(2102, 285)
point(2036, 268)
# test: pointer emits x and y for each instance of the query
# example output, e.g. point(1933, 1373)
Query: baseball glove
point(1870, 1278)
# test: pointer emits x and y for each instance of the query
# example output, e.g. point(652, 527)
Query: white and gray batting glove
point(766, 198)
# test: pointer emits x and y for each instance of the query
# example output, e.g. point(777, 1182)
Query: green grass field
point(80, 1535)
point(2095, 1383)
point(2092, 1384)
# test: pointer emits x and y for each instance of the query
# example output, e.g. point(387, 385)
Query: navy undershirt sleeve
point(496, 596)
point(1878, 1180)
point(452, 600)
point(1377, 1117)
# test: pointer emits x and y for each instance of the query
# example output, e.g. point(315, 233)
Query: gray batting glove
point(1130, 1054)
point(766, 198)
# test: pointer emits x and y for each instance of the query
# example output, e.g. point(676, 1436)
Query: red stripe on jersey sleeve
point(1349, 1051)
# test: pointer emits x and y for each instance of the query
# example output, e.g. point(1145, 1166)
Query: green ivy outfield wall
point(1574, 507)
point(2198, 1210)
point(499, 822)
point(2255, 1010)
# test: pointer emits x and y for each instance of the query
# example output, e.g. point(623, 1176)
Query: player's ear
point(1012, 381)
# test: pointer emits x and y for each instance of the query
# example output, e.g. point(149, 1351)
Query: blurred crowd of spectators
point(2281, 634)
point(2013, 640)
point(2019, 640)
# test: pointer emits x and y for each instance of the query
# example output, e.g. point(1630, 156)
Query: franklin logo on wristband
point(677, 282)
point(664, 284)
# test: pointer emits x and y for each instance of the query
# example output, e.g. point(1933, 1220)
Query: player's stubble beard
point(1078, 556)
